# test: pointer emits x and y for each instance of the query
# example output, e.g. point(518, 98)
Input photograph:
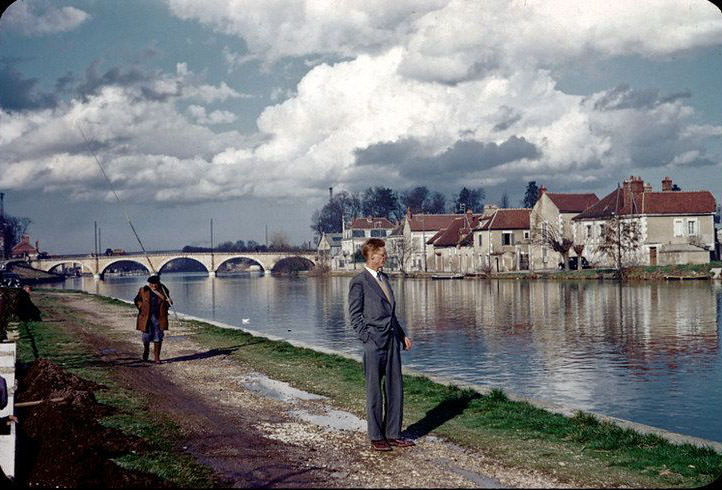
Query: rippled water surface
point(645, 352)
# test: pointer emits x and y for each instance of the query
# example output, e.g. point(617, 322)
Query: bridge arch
point(295, 262)
point(83, 267)
point(121, 259)
point(263, 266)
point(171, 259)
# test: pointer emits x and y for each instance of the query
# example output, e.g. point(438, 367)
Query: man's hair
point(370, 246)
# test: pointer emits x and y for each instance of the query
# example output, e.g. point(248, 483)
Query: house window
point(692, 227)
point(357, 233)
point(480, 239)
point(589, 231)
point(678, 230)
point(526, 234)
point(378, 233)
point(544, 231)
point(601, 230)
point(507, 238)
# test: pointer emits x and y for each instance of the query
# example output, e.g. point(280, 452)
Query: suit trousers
point(383, 413)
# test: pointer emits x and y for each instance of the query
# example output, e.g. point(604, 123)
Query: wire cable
point(122, 207)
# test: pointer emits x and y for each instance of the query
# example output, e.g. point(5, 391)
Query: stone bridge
point(98, 265)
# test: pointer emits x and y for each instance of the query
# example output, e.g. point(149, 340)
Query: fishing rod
point(127, 217)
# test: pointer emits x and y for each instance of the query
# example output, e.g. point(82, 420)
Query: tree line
point(384, 202)
point(277, 242)
point(12, 229)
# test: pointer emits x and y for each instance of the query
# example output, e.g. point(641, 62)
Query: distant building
point(418, 229)
point(24, 249)
point(552, 214)
point(501, 241)
point(675, 227)
point(329, 248)
point(451, 248)
point(360, 230)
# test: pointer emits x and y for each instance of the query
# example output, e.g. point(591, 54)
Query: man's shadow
point(450, 407)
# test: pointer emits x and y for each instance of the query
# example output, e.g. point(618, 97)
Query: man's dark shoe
point(380, 445)
point(401, 442)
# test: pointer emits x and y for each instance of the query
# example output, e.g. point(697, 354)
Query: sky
point(246, 112)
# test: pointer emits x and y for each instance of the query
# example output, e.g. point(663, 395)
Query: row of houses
point(633, 224)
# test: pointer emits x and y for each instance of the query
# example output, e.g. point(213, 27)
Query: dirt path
point(254, 431)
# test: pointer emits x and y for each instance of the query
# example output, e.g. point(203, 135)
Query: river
point(647, 352)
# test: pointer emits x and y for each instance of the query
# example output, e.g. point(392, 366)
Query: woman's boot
point(156, 351)
point(146, 349)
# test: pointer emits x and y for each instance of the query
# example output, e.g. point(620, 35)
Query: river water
point(646, 352)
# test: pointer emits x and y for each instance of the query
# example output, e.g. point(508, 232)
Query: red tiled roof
point(666, 202)
point(457, 230)
point(24, 247)
point(508, 219)
point(431, 222)
point(572, 203)
point(369, 223)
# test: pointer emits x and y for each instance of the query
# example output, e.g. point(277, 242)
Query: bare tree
point(278, 240)
point(548, 234)
point(402, 248)
point(579, 249)
point(620, 242)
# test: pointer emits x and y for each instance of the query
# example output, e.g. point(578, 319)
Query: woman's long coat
point(142, 301)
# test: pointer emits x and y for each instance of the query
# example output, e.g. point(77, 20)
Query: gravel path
point(255, 431)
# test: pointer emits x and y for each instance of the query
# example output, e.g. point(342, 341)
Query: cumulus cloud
point(198, 113)
point(37, 19)
point(460, 39)
point(408, 93)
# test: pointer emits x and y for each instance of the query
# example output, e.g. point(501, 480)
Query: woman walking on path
point(152, 301)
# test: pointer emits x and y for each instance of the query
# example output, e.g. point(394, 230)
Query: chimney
point(541, 191)
point(666, 184)
point(637, 185)
point(489, 209)
point(37, 247)
point(408, 214)
point(647, 187)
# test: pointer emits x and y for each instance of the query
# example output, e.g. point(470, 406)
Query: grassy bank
point(579, 449)
point(130, 411)
point(652, 272)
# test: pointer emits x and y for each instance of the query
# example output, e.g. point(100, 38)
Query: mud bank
point(62, 444)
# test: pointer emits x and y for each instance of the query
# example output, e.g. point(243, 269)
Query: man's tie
point(384, 287)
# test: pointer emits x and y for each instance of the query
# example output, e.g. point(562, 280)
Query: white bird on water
point(245, 320)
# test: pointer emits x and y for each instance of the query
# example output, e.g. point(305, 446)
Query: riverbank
point(464, 437)
point(637, 273)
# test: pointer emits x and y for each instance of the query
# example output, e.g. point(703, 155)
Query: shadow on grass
point(204, 355)
point(452, 406)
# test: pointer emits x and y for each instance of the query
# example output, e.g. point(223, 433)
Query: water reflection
point(646, 352)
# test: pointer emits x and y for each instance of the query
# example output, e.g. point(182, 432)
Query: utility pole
point(95, 229)
point(100, 246)
point(266, 235)
point(213, 265)
point(423, 239)
point(619, 235)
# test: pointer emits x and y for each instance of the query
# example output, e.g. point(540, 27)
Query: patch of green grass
point(130, 409)
point(599, 453)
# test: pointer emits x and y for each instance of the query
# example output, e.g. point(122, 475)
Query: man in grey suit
point(372, 308)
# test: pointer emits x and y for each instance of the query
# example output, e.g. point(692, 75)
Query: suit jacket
point(142, 301)
point(372, 315)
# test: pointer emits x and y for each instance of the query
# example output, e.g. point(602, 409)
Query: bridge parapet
point(211, 261)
